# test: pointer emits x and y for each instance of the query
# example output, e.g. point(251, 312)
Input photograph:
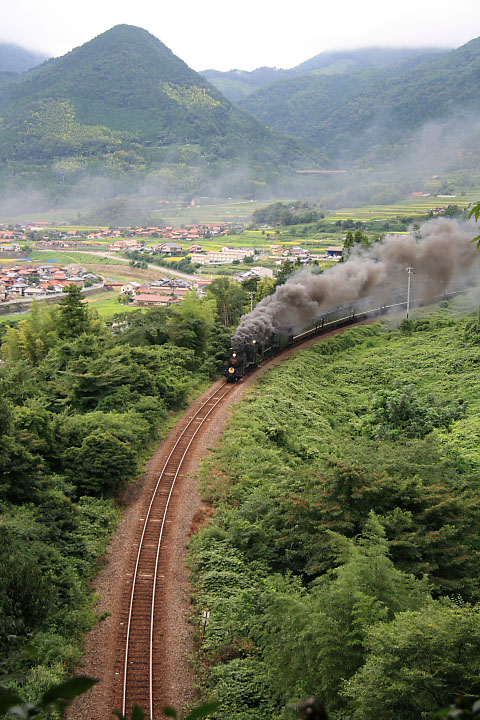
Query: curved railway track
point(140, 648)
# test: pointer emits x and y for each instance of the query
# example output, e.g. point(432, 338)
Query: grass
point(61, 257)
point(413, 207)
point(107, 305)
point(239, 211)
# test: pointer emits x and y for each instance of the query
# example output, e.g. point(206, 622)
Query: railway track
point(139, 654)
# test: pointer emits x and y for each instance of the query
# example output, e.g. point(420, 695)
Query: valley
point(195, 505)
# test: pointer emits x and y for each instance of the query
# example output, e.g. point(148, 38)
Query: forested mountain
point(126, 100)
point(372, 112)
point(237, 84)
point(14, 58)
point(7, 76)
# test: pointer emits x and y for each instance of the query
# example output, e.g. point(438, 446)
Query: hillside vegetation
point(373, 112)
point(237, 84)
point(81, 405)
point(124, 103)
point(342, 559)
point(17, 59)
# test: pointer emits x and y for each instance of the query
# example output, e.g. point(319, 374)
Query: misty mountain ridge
point(238, 84)
point(17, 59)
point(372, 115)
point(121, 121)
point(124, 100)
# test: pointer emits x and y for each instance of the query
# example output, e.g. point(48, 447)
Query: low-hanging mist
point(443, 254)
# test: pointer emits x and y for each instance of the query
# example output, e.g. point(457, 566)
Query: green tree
point(418, 662)
point(475, 213)
point(315, 640)
point(33, 337)
point(141, 327)
point(284, 272)
point(191, 322)
point(265, 287)
point(230, 299)
point(73, 316)
point(401, 412)
point(355, 239)
point(101, 464)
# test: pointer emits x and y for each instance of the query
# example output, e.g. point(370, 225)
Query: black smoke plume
point(443, 254)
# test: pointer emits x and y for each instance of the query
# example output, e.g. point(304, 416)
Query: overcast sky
point(245, 34)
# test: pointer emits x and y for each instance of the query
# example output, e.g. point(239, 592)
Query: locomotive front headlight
point(234, 355)
point(231, 370)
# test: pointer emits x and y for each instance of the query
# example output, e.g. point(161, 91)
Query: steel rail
point(140, 547)
point(154, 589)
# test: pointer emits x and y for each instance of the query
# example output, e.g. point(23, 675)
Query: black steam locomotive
point(249, 354)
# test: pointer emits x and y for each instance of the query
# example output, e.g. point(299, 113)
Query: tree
point(101, 464)
point(355, 239)
point(230, 298)
point(191, 322)
point(141, 327)
point(313, 641)
point(475, 212)
point(284, 272)
point(265, 287)
point(73, 318)
point(33, 337)
point(402, 413)
point(418, 662)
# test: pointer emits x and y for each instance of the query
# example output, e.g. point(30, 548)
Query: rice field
point(414, 207)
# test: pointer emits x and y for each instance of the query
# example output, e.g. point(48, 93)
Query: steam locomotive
point(249, 354)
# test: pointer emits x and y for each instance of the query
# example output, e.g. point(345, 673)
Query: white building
point(227, 255)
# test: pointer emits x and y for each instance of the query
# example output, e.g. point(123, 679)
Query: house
point(152, 299)
point(18, 288)
point(75, 280)
point(335, 251)
point(171, 249)
point(34, 291)
point(92, 277)
point(130, 288)
point(72, 269)
point(298, 251)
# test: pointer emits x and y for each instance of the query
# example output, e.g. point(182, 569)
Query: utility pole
point(252, 295)
point(409, 270)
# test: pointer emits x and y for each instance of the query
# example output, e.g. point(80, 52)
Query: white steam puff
point(444, 253)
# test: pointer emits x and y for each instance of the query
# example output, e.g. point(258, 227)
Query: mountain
point(7, 77)
point(125, 101)
point(374, 112)
point(14, 58)
point(237, 84)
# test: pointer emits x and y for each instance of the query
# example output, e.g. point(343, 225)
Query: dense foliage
point(80, 406)
point(123, 103)
point(17, 59)
point(237, 84)
point(342, 558)
point(279, 213)
point(372, 112)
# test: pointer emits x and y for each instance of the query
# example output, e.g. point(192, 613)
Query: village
point(19, 285)
point(43, 281)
